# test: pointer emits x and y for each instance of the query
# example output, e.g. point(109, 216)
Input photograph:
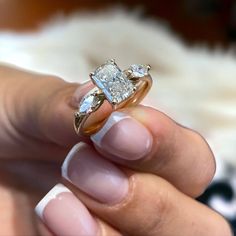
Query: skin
point(36, 117)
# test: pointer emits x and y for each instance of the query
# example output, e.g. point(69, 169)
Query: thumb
point(39, 110)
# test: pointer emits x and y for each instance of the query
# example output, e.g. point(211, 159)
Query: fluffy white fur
point(194, 85)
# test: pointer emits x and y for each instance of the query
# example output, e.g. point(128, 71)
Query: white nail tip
point(57, 189)
point(64, 168)
point(112, 120)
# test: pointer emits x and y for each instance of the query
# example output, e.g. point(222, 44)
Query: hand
point(140, 177)
point(143, 187)
point(36, 133)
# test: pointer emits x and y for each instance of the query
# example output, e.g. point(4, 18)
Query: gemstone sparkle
point(89, 102)
point(138, 70)
point(113, 82)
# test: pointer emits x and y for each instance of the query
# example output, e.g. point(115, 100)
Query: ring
point(113, 87)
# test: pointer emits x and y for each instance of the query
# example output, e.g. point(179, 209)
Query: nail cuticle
point(65, 214)
point(128, 197)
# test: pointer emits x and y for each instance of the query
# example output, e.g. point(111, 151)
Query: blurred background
point(180, 66)
point(211, 21)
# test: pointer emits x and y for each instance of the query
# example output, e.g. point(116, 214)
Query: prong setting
point(76, 114)
point(128, 72)
point(91, 74)
point(112, 61)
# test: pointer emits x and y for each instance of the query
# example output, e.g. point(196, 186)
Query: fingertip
point(124, 137)
point(57, 189)
point(64, 214)
point(79, 93)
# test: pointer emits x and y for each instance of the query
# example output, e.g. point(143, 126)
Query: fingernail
point(80, 92)
point(94, 175)
point(64, 214)
point(124, 137)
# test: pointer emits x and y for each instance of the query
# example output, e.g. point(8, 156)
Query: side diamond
point(137, 71)
point(90, 102)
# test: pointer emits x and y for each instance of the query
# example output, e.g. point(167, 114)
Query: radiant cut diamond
point(113, 82)
point(90, 102)
point(138, 71)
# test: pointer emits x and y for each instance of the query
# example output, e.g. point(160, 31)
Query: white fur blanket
point(194, 85)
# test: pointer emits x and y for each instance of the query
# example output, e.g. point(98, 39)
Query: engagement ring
point(113, 87)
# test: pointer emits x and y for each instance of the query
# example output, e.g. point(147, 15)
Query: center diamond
point(113, 82)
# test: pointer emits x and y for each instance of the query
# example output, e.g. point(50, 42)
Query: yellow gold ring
point(114, 88)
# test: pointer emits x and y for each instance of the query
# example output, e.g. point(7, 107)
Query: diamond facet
point(90, 102)
point(138, 71)
point(113, 82)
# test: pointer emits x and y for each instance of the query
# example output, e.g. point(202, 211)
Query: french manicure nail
point(64, 214)
point(94, 175)
point(124, 137)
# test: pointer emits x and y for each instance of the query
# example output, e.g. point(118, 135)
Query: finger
point(137, 203)
point(38, 109)
point(65, 215)
point(145, 139)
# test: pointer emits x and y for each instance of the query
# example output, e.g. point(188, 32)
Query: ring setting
point(120, 88)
